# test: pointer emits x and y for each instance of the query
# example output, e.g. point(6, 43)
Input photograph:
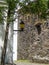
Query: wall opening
point(38, 26)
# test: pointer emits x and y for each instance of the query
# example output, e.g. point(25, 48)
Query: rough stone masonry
point(33, 42)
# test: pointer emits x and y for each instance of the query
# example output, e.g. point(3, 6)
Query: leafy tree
point(11, 10)
point(48, 3)
point(38, 7)
point(42, 8)
point(48, 8)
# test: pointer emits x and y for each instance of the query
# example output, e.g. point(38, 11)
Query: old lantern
point(22, 25)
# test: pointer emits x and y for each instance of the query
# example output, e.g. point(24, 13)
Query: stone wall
point(34, 46)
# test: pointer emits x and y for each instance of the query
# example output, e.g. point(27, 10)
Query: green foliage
point(38, 7)
point(24, 7)
point(1, 15)
point(32, 6)
point(48, 4)
point(48, 8)
point(42, 8)
point(12, 3)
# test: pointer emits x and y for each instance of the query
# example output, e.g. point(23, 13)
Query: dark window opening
point(38, 28)
point(47, 24)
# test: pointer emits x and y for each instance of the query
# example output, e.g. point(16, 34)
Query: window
point(38, 26)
